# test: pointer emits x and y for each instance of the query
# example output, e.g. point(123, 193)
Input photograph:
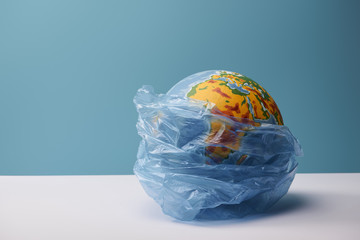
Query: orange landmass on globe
point(240, 98)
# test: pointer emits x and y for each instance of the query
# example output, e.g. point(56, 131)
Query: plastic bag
point(177, 170)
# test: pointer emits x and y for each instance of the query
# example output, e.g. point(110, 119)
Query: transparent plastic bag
point(176, 169)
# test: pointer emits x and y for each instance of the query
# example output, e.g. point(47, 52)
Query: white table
point(318, 206)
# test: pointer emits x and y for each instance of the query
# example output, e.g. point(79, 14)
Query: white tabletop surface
point(318, 206)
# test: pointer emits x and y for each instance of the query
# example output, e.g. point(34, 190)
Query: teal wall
point(69, 71)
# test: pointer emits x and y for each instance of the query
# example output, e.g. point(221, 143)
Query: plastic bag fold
point(194, 172)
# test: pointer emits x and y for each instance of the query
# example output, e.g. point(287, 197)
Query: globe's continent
point(241, 99)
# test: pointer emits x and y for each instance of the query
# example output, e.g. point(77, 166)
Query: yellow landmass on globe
point(239, 98)
point(251, 102)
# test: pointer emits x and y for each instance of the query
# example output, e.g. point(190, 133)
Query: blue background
point(69, 71)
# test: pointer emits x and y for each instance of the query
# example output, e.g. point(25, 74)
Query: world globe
point(214, 147)
point(232, 95)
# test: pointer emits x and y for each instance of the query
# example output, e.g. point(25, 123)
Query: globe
point(232, 95)
point(214, 147)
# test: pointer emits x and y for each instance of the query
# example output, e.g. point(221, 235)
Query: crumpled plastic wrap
point(175, 170)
